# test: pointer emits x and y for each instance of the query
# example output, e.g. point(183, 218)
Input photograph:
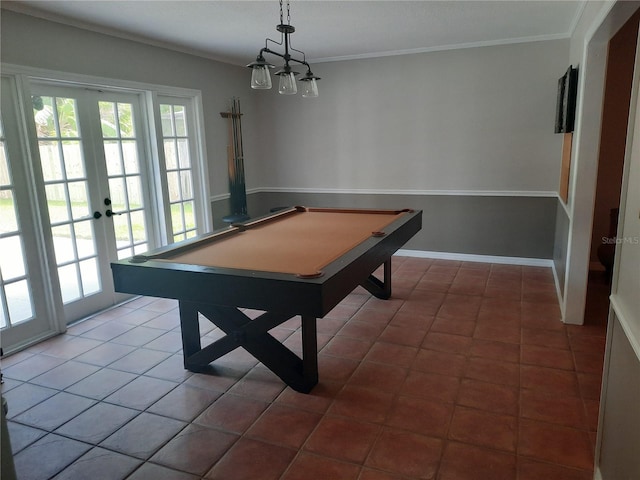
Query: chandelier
point(260, 77)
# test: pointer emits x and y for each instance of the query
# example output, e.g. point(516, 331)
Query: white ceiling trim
point(439, 48)
point(27, 9)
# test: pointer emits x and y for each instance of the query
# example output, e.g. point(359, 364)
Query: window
point(178, 169)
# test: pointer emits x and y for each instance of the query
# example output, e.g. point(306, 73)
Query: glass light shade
point(260, 77)
point(287, 84)
point(310, 88)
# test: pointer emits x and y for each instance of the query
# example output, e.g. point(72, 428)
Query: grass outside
point(57, 209)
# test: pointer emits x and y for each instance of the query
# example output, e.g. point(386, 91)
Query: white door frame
point(585, 167)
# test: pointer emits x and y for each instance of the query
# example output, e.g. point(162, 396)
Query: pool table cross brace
point(253, 336)
point(301, 374)
point(377, 287)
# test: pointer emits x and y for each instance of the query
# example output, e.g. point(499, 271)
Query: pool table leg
point(190, 328)
point(377, 287)
point(309, 350)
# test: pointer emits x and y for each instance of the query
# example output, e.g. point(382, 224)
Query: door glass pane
point(167, 123)
point(108, 119)
point(57, 202)
point(118, 194)
point(174, 187)
point(125, 117)
point(4, 168)
point(170, 156)
point(141, 248)
point(90, 275)
point(176, 216)
point(85, 239)
point(189, 217)
point(138, 226)
point(134, 192)
point(11, 258)
point(79, 195)
point(45, 116)
point(67, 119)
point(112, 156)
point(9, 222)
point(121, 227)
point(186, 185)
point(69, 284)
point(63, 244)
point(50, 161)
point(19, 301)
point(73, 162)
point(181, 121)
point(183, 153)
point(130, 154)
point(3, 315)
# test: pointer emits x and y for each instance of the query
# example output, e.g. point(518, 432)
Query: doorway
point(615, 117)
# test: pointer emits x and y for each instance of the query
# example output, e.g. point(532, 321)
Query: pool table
point(297, 261)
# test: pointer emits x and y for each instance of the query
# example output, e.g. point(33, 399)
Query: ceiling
point(233, 31)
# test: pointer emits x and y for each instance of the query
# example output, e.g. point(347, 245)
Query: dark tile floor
point(466, 373)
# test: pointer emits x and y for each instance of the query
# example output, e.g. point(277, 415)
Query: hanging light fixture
point(260, 76)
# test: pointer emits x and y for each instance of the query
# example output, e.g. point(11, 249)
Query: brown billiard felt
point(299, 243)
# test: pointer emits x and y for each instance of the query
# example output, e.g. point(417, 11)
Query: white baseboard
point(467, 257)
point(596, 474)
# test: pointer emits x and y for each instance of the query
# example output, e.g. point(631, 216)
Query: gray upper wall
point(472, 119)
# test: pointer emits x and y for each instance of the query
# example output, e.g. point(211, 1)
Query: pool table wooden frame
point(219, 293)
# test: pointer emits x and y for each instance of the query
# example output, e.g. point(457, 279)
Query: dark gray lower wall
point(480, 225)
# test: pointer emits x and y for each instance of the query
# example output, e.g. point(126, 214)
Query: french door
point(92, 147)
point(25, 305)
point(89, 175)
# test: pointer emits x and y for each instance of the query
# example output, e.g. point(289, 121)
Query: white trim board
point(452, 193)
point(441, 48)
point(108, 83)
point(366, 191)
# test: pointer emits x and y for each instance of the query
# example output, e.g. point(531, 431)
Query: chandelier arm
point(304, 57)
point(283, 56)
point(266, 44)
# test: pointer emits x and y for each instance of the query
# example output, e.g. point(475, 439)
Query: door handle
point(96, 215)
point(109, 213)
